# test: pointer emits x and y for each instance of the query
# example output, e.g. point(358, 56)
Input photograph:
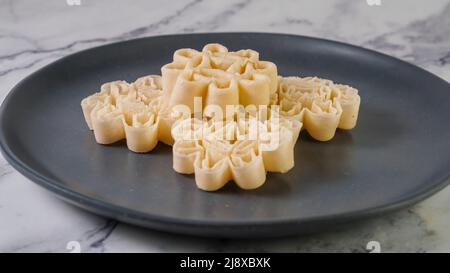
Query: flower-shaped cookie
point(218, 152)
point(219, 77)
point(321, 105)
point(129, 111)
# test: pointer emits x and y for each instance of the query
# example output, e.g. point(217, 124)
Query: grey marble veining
point(34, 33)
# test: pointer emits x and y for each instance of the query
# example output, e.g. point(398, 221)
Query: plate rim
point(100, 206)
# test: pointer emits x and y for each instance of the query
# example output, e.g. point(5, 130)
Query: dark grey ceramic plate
point(398, 154)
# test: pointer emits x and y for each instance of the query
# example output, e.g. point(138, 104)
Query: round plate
point(397, 155)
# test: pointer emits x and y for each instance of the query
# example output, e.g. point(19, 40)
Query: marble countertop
point(35, 33)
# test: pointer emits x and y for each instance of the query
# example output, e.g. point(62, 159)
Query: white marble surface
point(34, 33)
